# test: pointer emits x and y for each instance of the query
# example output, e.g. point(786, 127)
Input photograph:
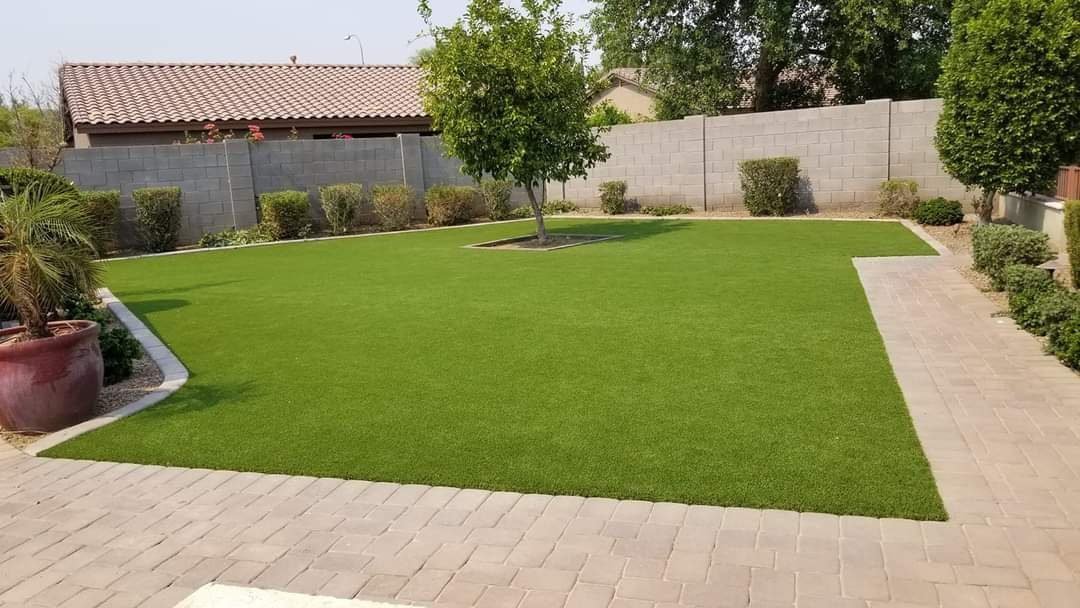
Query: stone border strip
point(174, 376)
point(501, 244)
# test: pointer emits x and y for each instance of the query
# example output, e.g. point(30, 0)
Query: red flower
point(209, 126)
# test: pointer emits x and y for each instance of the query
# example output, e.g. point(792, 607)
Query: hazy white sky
point(39, 35)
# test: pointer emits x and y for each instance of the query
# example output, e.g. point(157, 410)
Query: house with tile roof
point(109, 104)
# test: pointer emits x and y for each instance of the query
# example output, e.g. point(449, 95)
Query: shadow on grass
point(628, 229)
point(149, 307)
point(194, 397)
point(177, 289)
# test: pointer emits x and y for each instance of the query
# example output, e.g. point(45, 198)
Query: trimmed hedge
point(662, 210)
point(898, 197)
point(496, 196)
point(286, 214)
point(1043, 307)
point(15, 179)
point(1025, 284)
point(613, 197)
point(157, 217)
point(938, 212)
point(448, 205)
point(995, 246)
point(340, 203)
point(104, 209)
point(393, 205)
point(1072, 239)
point(770, 186)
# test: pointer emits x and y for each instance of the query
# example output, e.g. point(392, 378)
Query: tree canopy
point(1011, 90)
point(707, 57)
point(509, 92)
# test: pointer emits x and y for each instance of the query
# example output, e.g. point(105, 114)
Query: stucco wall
point(1038, 213)
point(631, 99)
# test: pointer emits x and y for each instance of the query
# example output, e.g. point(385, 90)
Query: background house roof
point(133, 93)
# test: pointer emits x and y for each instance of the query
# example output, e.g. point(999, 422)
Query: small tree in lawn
point(1011, 89)
point(509, 92)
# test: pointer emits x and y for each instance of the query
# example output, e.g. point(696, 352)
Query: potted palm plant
point(50, 372)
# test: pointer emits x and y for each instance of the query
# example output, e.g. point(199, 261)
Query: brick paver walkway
point(1000, 423)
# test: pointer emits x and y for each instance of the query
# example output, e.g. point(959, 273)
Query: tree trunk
point(985, 207)
point(36, 323)
point(538, 213)
point(764, 82)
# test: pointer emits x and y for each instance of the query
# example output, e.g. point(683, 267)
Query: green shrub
point(1072, 239)
point(157, 217)
point(662, 210)
point(1051, 308)
point(898, 197)
point(994, 247)
point(448, 205)
point(938, 212)
point(1024, 285)
point(607, 114)
point(119, 348)
point(496, 196)
point(613, 197)
point(231, 237)
point(15, 179)
point(1064, 341)
point(104, 209)
point(286, 214)
point(393, 205)
point(554, 207)
point(340, 203)
point(770, 186)
point(557, 206)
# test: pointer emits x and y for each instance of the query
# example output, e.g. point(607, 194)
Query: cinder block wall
point(217, 189)
point(844, 153)
point(308, 164)
point(661, 162)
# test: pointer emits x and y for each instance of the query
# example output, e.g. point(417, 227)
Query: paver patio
point(999, 421)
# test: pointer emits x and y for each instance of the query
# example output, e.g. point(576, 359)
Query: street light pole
point(357, 39)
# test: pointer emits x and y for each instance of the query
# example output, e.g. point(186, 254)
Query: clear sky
point(39, 35)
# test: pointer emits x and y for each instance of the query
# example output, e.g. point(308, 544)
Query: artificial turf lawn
point(729, 363)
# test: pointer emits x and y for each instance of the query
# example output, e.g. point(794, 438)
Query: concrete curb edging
point(174, 375)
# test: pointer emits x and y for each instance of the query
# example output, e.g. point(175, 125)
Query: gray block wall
point(308, 164)
point(844, 153)
point(216, 187)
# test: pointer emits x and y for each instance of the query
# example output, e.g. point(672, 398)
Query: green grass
point(729, 363)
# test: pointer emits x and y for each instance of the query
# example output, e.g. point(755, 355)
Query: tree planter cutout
point(554, 242)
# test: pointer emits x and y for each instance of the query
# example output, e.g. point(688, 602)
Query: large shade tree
point(709, 56)
point(509, 92)
point(1011, 90)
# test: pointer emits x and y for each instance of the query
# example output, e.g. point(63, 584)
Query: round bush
point(770, 186)
point(15, 179)
point(939, 212)
point(613, 197)
point(996, 246)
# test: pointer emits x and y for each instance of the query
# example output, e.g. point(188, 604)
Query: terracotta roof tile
point(125, 93)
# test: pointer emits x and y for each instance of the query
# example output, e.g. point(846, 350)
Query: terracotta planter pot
point(53, 383)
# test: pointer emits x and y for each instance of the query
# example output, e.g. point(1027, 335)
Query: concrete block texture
point(844, 153)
